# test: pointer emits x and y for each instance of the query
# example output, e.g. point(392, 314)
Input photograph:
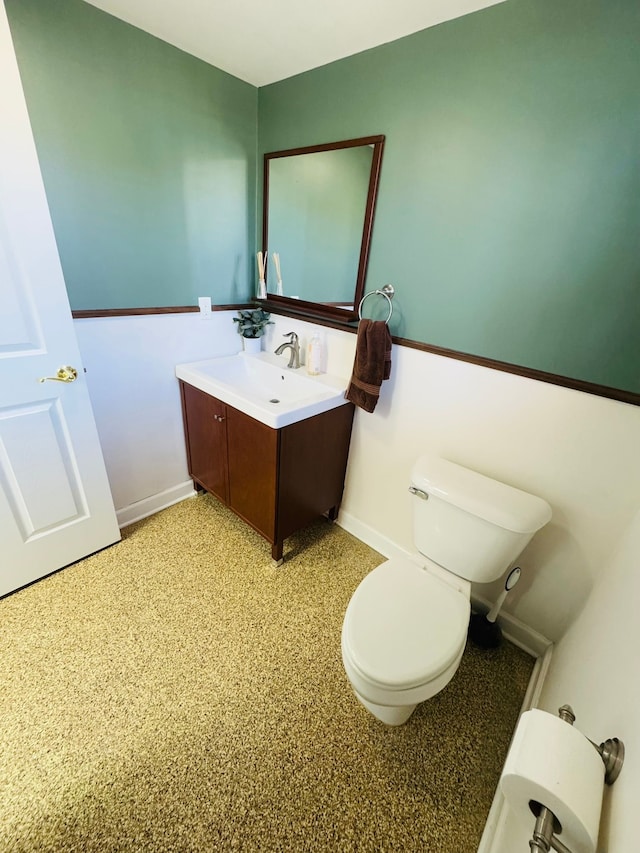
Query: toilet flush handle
point(419, 493)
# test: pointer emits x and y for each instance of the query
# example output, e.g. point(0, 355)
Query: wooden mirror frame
point(274, 302)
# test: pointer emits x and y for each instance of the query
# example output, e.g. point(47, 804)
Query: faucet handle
point(291, 335)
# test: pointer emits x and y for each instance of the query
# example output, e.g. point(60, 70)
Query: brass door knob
point(65, 374)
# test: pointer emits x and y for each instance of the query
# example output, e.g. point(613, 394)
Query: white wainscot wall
point(595, 668)
point(130, 364)
point(576, 450)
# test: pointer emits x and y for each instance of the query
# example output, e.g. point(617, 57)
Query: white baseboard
point(513, 629)
point(154, 503)
point(370, 537)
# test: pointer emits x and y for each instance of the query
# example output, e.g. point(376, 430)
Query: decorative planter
point(251, 345)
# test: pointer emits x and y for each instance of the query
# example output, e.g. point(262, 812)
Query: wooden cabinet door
point(253, 458)
point(205, 420)
point(313, 462)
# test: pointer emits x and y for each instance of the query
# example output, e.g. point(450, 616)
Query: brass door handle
point(65, 374)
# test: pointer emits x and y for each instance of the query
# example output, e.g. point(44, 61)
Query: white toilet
point(405, 627)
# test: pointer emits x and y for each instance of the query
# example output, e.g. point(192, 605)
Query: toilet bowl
point(405, 628)
point(403, 636)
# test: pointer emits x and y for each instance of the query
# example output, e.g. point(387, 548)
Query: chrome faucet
point(294, 346)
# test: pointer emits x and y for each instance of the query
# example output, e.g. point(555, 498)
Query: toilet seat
point(404, 626)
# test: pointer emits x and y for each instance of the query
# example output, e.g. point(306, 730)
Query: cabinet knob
point(219, 418)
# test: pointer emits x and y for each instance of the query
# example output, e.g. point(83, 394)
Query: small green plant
point(251, 322)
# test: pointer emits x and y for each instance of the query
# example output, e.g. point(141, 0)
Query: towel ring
point(387, 291)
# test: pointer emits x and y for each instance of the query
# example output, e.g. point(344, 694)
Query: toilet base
point(390, 715)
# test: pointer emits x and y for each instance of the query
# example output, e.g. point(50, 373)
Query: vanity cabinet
point(277, 480)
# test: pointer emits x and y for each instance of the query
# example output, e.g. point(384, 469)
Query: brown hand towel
point(372, 364)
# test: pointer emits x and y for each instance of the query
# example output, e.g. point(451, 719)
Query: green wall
point(508, 217)
point(509, 208)
point(148, 158)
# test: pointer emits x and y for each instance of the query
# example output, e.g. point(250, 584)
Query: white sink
point(263, 387)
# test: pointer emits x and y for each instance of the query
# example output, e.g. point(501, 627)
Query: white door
point(55, 502)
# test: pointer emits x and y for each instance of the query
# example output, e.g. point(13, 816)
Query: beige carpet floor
point(177, 693)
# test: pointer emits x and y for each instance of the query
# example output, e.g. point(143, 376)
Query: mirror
point(317, 218)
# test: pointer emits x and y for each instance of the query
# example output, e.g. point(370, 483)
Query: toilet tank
point(471, 525)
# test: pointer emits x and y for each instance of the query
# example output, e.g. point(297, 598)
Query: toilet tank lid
point(495, 502)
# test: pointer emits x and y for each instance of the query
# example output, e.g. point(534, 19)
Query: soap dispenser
point(314, 355)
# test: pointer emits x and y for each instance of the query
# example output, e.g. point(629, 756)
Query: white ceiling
point(262, 41)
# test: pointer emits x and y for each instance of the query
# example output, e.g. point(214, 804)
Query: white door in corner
point(55, 502)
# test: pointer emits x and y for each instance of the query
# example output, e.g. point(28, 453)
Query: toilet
point(405, 628)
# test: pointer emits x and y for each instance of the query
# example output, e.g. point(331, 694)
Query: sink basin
point(263, 387)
